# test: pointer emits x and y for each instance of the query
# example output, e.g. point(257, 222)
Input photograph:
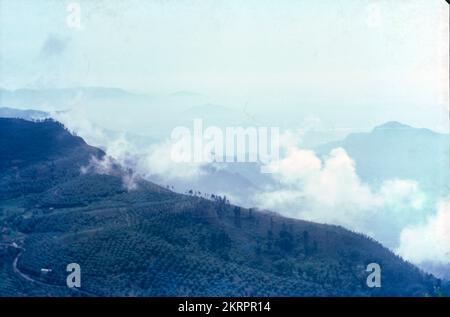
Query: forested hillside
point(145, 240)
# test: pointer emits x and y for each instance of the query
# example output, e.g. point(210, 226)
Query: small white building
point(45, 271)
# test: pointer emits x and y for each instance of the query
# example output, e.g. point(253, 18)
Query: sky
point(358, 62)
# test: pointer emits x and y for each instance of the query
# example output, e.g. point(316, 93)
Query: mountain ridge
point(150, 241)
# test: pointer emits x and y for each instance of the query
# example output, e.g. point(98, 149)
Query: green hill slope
point(150, 241)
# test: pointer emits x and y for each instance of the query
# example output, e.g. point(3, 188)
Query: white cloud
point(328, 190)
point(429, 242)
point(152, 159)
point(76, 120)
point(157, 160)
point(400, 192)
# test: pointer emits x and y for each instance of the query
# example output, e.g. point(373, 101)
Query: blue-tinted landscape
point(224, 148)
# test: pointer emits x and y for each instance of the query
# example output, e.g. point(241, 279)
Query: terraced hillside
point(149, 241)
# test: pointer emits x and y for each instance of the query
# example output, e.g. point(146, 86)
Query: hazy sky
point(327, 56)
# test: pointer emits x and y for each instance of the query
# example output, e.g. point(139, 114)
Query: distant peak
point(392, 125)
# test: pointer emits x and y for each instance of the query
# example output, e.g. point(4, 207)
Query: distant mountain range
point(395, 150)
point(57, 206)
point(22, 114)
point(390, 151)
point(23, 97)
point(155, 114)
